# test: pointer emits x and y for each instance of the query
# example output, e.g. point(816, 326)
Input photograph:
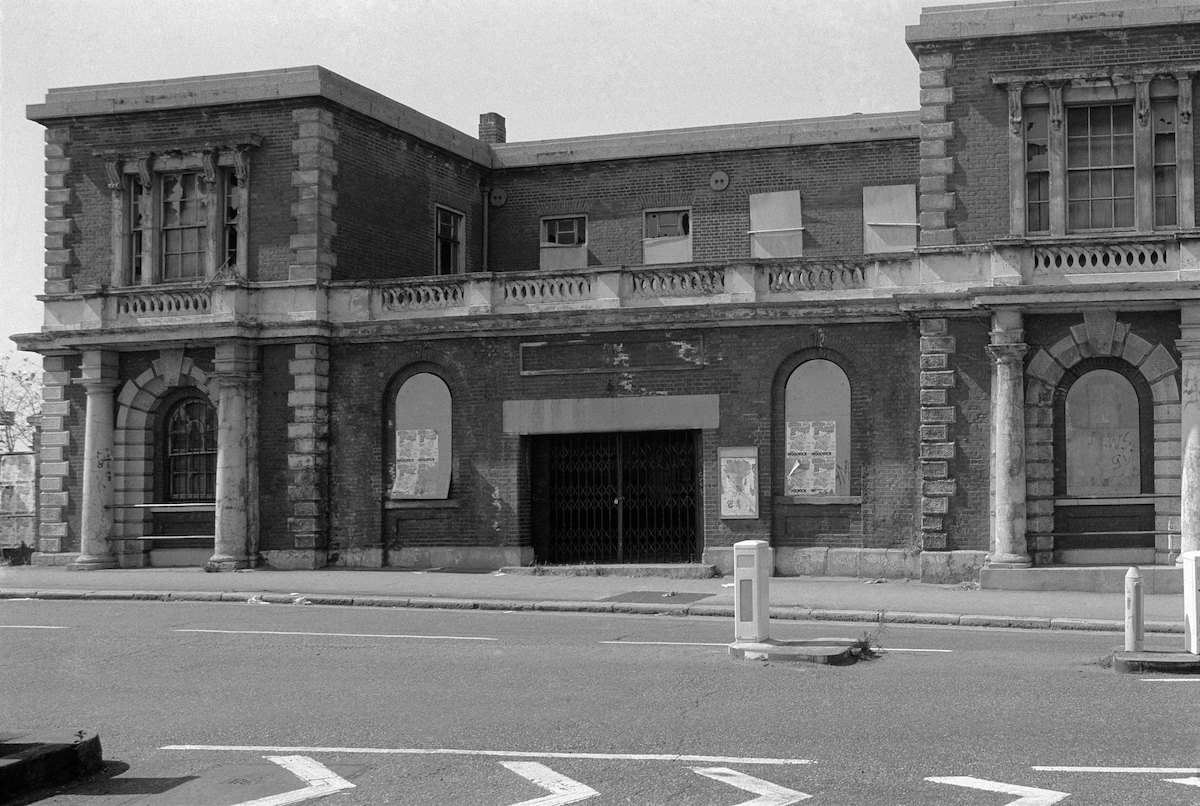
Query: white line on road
point(1147, 770)
point(1030, 795)
point(319, 780)
point(421, 751)
point(563, 790)
point(343, 634)
point(1170, 680)
point(663, 643)
point(769, 794)
point(29, 627)
point(903, 649)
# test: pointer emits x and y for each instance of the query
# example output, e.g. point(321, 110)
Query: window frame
point(1049, 103)
point(456, 242)
point(580, 229)
point(684, 240)
point(135, 177)
point(167, 458)
point(437, 485)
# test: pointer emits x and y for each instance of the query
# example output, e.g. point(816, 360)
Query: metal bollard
point(1135, 625)
point(751, 599)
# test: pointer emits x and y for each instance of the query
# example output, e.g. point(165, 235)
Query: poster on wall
point(811, 457)
point(416, 462)
point(739, 482)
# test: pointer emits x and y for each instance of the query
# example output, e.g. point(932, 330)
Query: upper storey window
point(1092, 156)
point(667, 236)
point(564, 243)
point(449, 232)
point(178, 216)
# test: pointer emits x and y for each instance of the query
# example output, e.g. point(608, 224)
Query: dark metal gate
point(615, 498)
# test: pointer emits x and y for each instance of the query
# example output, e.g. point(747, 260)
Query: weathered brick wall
point(969, 525)
point(90, 207)
point(387, 184)
point(743, 366)
point(614, 194)
point(979, 109)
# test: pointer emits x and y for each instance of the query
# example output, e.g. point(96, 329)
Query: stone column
point(236, 377)
point(1189, 429)
point(99, 378)
point(1008, 549)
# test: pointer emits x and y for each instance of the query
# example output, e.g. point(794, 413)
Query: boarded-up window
point(667, 237)
point(889, 218)
point(776, 224)
point(564, 243)
point(817, 430)
point(421, 467)
point(1103, 437)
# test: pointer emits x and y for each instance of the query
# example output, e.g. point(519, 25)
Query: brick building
point(291, 321)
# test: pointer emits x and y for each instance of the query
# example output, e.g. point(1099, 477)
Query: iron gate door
point(615, 498)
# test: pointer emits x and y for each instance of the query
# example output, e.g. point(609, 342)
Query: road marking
point(1146, 770)
point(29, 627)
point(663, 643)
point(769, 794)
point(902, 649)
point(561, 788)
point(1030, 796)
point(319, 780)
point(421, 751)
point(344, 634)
point(1184, 781)
point(1170, 680)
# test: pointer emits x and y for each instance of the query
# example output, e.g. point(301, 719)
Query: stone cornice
point(1024, 17)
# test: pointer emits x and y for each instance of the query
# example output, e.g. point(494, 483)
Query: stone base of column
point(1009, 561)
point(225, 562)
point(86, 562)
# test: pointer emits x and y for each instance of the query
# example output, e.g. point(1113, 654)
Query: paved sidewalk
point(817, 598)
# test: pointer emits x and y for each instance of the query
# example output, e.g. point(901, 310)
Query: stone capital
point(1007, 353)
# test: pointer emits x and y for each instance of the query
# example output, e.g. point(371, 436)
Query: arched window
point(190, 447)
point(817, 430)
point(1103, 441)
point(423, 439)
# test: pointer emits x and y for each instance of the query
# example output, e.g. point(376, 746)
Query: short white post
point(1135, 627)
point(1190, 560)
point(751, 585)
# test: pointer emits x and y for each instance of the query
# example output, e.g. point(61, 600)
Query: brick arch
point(138, 404)
point(1100, 335)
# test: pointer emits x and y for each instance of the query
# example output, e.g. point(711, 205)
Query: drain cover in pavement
point(657, 597)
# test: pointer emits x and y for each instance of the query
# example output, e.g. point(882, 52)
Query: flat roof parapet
point(264, 85)
point(1016, 17)
point(706, 139)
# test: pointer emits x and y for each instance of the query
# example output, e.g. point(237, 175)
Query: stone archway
point(134, 444)
point(1100, 335)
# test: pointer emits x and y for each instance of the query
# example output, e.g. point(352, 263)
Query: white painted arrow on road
point(1030, 796)
point(769, 794)
point(562, 789)
point(1184, 781)
point(320, 779)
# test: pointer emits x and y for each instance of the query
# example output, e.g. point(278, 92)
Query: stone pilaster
point(308, 457)
point(99, 379)
point(237, 380)
point(59, 254)
point(1189, 432)
point(54, 470)
point(936, 165)
point(312, 244)
point(1007, 351)
point(937, 433)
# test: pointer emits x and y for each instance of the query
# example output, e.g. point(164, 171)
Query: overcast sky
point(553, 68)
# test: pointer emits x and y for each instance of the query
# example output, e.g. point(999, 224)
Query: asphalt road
point(212, 705)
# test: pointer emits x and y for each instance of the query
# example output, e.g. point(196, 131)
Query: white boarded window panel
point(776, 225)
point(889, 218)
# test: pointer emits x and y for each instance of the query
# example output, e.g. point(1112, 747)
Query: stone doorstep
point(37, 760)
point(1155, 660)
point(826, 651)
point(667, 570)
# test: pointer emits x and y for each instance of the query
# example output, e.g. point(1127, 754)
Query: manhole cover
point(657, 597)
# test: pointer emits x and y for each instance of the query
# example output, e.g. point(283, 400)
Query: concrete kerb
point(782, 613)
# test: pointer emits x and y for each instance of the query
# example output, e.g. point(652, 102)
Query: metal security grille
point(615, 498)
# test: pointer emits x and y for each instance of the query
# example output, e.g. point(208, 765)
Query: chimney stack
point(491, 128)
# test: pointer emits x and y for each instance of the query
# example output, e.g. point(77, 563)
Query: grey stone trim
point(308, 456)
point(313, 257)
point(937, 419)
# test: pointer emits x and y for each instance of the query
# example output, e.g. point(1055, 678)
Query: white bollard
point(751, 586)
point(1190, 560)
point(1135, 625)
